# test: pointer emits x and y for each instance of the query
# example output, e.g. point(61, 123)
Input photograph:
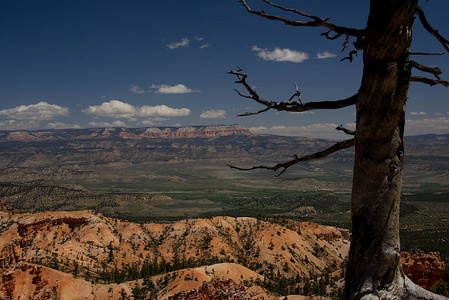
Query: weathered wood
point(373, 269)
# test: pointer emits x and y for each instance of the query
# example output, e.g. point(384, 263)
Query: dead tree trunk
point(373, 269)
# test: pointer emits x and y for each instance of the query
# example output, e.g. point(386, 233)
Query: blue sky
point(79, 63)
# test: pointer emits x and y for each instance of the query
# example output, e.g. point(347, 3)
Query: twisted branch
point(289, 105)
point(345, 130)
point(425, 23)
point(297, 159)
point(316, 21)
point(434, 71)
point(429, 81)
point(424, 53)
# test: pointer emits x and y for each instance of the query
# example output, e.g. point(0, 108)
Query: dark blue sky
point(71, 64)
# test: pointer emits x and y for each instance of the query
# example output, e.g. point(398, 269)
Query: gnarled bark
point(374, 271)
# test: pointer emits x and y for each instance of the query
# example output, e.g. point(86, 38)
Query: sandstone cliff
point(424, 269)
point(44, 254)
point(84, 255)
point(125, 133)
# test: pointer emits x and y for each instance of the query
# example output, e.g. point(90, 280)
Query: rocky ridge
point(92, 251)
point(424, 269)
point(124, 133)
point(84, 255)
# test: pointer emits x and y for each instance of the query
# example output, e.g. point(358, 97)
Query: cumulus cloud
point(37, 112)
point(183, 43)
point(116, 123)
point(307, 112)
point(281, 54)
point(118, 110)
point(421, 113)
point(137, 89)
point(172, 89)
point(214, 114)
point(325, 54)
point(200, 39)
point(18, 124)
point(112, 109)
point(60, 125)
point(149, 122)
point(162, 111)
point(152, 121)
point(325, 131)
point(437, 125)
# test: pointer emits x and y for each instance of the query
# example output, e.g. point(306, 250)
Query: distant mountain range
point(209, 131)
point(103, 146)
point(124, 133)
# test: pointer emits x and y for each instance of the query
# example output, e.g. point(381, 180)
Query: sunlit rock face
point(423, 269)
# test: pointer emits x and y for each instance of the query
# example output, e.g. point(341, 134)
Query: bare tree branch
point(350, 57)
point(254, 113)
point(329, 37)
point(345, 130)
point(336, 147)
point(429, 81)
point(424, 53)
point(434, 71)
point(290, 105)
point(316, 21)
point(429, 28)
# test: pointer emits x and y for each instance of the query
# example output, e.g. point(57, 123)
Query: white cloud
point(421, 113)
point(162, 111)
point(116, 123)
point(325, 54)
point(137, 89)
point(16, 125)
point(281, 54)
point(169, 89)
point(112, 109)
point(148, 122)
point(183, 43)
point(325, 131)
point(307, 112)
point(214, 114)
point(7, 123)
point(60, 125)
point(258, 129)
point(117, 109)
point(38, 112)
point(351, 126)
point(438, 125)
point(163, 89)
point(158, 119)
point(186, 42)
point(152, 121)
